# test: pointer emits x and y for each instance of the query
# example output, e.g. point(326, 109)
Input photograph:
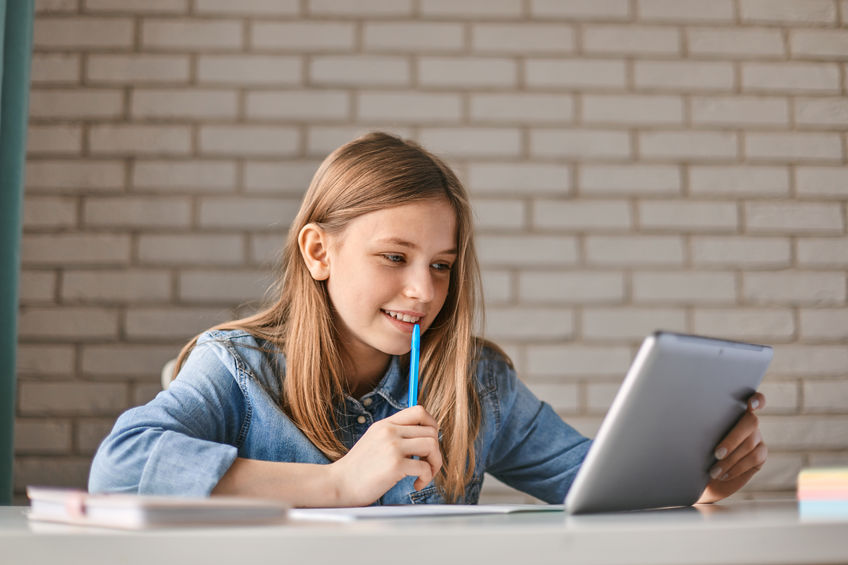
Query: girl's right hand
point(384, 456)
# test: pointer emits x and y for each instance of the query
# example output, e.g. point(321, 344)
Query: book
point(134, 512)
point(415, 511)
point(823, 493)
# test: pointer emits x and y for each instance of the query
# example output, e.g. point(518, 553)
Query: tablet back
point(655, 447)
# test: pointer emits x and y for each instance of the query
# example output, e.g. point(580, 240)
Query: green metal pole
point(16, 17)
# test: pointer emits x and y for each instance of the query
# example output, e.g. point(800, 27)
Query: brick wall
point(634, 164)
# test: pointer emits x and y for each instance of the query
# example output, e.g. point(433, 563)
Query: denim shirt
point(225, 404)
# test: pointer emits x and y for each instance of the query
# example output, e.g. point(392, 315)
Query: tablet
point(654, 449)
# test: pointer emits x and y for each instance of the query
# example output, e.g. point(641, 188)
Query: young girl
point(306, 400)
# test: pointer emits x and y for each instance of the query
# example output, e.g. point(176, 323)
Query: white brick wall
point(633, 165)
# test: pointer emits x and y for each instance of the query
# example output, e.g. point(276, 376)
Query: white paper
point(414, 511)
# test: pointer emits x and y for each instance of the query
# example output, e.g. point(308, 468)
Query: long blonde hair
point(374, 172)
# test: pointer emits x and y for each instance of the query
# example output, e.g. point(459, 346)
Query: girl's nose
point(419, 285)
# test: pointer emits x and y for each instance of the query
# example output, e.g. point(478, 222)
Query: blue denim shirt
point(225, 404)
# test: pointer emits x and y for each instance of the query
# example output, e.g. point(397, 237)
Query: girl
point(305, 401)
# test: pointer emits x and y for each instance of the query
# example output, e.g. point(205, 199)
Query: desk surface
point(731, 532)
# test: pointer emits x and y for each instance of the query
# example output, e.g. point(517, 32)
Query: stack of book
point(823, 493)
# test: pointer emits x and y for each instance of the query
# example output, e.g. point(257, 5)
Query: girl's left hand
point(740, 454)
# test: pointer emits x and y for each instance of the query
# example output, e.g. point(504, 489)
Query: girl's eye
point(442, 266)
point(393, 258)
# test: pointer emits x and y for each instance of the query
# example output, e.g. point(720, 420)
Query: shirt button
point(367, 401)
point(361, 419)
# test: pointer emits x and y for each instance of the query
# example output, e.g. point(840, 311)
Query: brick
point(489, 9)
point(818, 44)
point(248, 140)
point(584, 215)
point(735, 43)
point(191, 34)
point(70, 472)
point(830, 324)
point(581, 9)
point(580, 143)
point(805, 432)
point(499, 214)
point(821, 182)
point(792, 217)
point(526, 250)
point(749, 110)
point(741, 180)
point(137, 6)
point(472, 142)
point(99, 286)
point(570, 287)
point(780, 474)
point(55, 68)
point(172, 323)
point(248, 7)
point(826, 113)
point(575, 73)
point(829, 251)
point(618, 110)
point(417, 36)
point(522, 108)
point(781, 397)
point(825, 396)
point(368, 8)
point(794, 146)
point(741, 251)
point(82, 32)
point(299, 105)
point(249, 69)
point(689, 216)
point(42, 436)
point(279, 176)
point(686, 11)
point(795, 287)
point(139, 139)
point(633, 324)
point(790, 77)
point(45, 360)
point(525, 38)
point(409, 106)
point(183, 103)
point(687, 76)
point(69, 175)
point(562, 397)
point(56, 6)
point(467, 72)
point(90, 432)
point(190, 249)
point(66, 398)
point(751, 324)
point(695, 145)
point(76, 323)
point(599, 396)
point(76, 104)
point(629, 179)
point(635, 250)
point(631, 40)
point(577, 360)
point(252, 213)
point(684, 287)
point(135, 69)
point(49, 212)
point(124, 361)
point(266, 249)
point(303, 36)
point(75, 249)
point(36, 286)
point(525, 323)
point(788, 11)
point(810, 360)
point(194, 175)
point(497, 286)
point(322, 140)
point(227, 287)
point(521, 178)
point(142, 393)
point(358, 70)
point(138, 212)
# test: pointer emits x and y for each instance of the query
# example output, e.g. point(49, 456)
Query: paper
point(414, 511)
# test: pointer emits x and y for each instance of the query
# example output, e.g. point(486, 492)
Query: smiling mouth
point(402, 317)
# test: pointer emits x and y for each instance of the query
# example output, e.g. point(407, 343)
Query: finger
point(409, 432)
point(420, 469)
point(414, 416)
point(755, 459)
point(748, 445)
point(756, 401)
point(423, 447)
point(734, 438)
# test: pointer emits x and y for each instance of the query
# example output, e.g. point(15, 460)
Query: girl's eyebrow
point(410, 245)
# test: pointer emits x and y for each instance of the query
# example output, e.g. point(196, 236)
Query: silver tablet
point(655, 446)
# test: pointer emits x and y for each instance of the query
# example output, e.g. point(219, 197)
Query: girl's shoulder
point(494, 368)
point(245, 354)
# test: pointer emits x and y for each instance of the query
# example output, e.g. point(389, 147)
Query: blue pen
point(413, 366)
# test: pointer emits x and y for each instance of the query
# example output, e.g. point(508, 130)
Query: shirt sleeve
point(184, 440)
point(533, 450)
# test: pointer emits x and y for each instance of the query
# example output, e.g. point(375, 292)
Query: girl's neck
point(365, 370)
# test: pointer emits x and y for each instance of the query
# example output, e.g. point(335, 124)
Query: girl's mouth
point(402, 317)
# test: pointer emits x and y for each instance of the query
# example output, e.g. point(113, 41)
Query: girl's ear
point(313, 243)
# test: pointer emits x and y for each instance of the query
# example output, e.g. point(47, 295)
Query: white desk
point(733, 532)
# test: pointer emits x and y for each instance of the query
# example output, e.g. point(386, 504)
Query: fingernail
point(715, 472)
point(755, 404)
point(724, 477)
point(720, 453)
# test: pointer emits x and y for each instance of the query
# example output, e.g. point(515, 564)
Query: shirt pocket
point(431, 494)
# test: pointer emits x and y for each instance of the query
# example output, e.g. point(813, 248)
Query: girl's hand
point(740, 454)
point(384, 456)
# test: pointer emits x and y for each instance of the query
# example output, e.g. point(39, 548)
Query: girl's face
point(389, 270)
